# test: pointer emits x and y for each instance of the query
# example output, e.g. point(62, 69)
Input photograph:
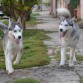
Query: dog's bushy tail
point(63, 12)
point(3, 27)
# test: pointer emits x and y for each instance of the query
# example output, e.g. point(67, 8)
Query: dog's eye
point(60, 24)
point(10, 29)
point(19, 30)
point(66, 25)
point(15, 31)
point(71, 25)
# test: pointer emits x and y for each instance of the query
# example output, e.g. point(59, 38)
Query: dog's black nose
point(61, 30)
point(19, 37)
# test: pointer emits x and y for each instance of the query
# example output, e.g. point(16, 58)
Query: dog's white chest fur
point(15, 47)
point(67, 41)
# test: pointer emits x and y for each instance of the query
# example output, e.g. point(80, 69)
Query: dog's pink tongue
point(61, 34)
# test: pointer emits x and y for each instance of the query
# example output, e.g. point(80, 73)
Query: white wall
point(81, 3)
point(54, 6)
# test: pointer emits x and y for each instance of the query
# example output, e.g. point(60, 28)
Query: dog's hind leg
point(63, 56)
point(72, 57)
point(18, 57)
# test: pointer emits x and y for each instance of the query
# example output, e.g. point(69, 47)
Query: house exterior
point(78, 11)
point(53, 8)
point(81, 9)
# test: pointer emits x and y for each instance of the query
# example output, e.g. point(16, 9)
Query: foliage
point(47, 3)
point(18, 8)
point(34, 51)
point(25, 80)
point(74, 3)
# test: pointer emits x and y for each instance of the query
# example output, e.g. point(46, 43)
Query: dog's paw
point(74, 60)
point(71, 64)
point(10, 71)
point(62, 64)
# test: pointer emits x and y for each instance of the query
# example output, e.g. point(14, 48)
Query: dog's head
point(66, 27)
point(15, 30)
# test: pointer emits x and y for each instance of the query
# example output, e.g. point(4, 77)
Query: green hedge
point(74, 3)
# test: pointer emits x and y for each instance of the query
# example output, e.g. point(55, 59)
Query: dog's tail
point(3, 27)
point(63, 12)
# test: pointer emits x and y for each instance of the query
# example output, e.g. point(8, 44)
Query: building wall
point(53, 8)
point(65, 3)
point(81, 8)
point(79, 11)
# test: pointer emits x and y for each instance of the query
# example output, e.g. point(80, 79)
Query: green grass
point(33, 19)
point(26, 80)
point(34, 52)
point(81, 79)
point(78, 57)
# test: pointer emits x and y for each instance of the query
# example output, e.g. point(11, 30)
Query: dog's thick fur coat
point(12, 43)
point(69, 36)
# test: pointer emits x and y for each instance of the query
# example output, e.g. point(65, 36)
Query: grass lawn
point(81, 79)
point(34, 52)
point(33, 19)
point(26, 80)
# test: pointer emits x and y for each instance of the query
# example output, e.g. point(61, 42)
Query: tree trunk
point(28, 15)
point(24, 22)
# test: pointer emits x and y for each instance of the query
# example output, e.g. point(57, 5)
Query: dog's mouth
point(16, 40)
point(62, 34)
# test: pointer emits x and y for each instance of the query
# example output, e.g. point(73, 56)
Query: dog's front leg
point(63, 56)
point(18, 57)
point(72, 56)
point(8, 61)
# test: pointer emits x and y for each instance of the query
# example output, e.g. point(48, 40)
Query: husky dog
point(69, 36)
point(12, 43)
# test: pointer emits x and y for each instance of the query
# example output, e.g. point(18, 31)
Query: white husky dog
point(69, 36)
point(12, 43)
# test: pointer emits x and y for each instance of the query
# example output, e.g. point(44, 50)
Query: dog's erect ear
point(62, 18)
point(70, 23)
point(19, 20)
point(10, 22)
point(73, 19)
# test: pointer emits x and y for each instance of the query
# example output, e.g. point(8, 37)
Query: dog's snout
point(61, 30)
point(19, 37)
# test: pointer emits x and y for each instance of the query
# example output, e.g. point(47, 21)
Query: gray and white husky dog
point(12, 43)
point(69, 36)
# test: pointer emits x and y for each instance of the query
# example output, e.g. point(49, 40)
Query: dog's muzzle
point(17, 40)
point(62, 33)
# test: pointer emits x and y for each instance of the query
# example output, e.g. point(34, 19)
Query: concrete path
point(49, 23)
point(52, 25)
point(51, 73)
